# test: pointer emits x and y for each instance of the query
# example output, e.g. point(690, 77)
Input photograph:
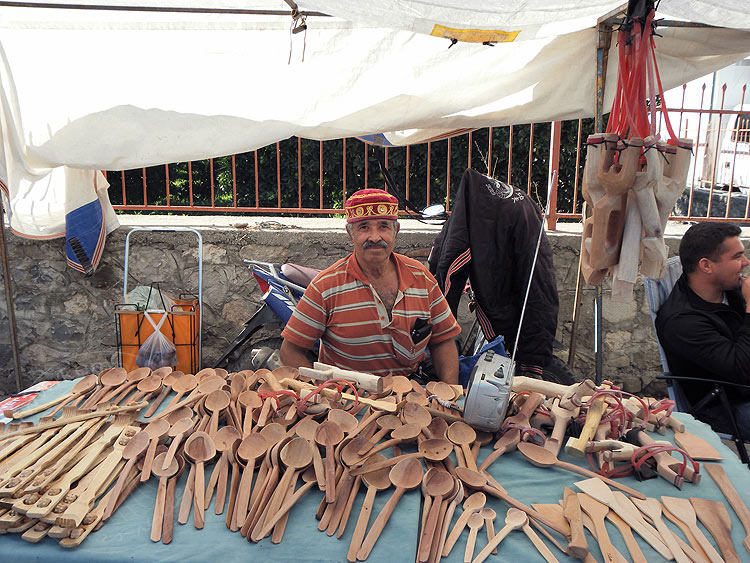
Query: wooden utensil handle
point(520, 506)
point(539, 544)
point(330, 466)
point(428, 530)
point(15, 415)
point(455, 533)
point(470, 543)
point(361, 527)
point(492, 544)
point(156, 522)
point(719, 476)
point(286, 507)
point(199, 495)
point(187, 497)
point(221, 487)
point(158, 401)
point(588, 473)
point(168, 517)
point(118, 487)
point(379, 524)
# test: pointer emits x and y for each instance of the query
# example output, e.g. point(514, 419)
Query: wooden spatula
point(683, 510)
point(715, 518)
point(719, 476)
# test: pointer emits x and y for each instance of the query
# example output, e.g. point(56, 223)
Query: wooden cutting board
point(696, 447)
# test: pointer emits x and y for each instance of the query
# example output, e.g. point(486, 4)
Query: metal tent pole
point(9, 299)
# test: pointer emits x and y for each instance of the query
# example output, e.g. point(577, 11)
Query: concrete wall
point(66, 325)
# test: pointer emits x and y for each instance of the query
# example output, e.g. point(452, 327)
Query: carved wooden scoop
point(541, 457)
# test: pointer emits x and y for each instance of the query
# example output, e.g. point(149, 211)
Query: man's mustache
point(369, 244)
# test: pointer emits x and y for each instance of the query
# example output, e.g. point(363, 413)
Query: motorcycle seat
point(300, 275)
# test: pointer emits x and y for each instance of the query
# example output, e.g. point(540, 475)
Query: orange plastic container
point(181, 327)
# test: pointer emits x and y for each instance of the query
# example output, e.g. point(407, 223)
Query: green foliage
point(287, 174)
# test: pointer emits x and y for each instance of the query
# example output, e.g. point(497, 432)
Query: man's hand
point(293, 356)
point(445, 360)
point(745, 287)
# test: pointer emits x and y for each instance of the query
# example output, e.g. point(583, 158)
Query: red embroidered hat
point(371, 204)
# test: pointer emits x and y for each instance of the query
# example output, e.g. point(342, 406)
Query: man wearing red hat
point(374, 311)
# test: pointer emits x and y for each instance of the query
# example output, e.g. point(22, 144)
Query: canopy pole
point(603, 42)
point(9, 299)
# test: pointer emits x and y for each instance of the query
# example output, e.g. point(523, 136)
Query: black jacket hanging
point(490, 239)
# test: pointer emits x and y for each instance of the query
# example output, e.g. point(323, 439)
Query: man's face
point(374, 239)
point(727, 268)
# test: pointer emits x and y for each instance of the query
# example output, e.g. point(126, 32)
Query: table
point(125, 537)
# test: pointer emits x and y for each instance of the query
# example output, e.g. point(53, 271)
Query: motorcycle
point(282, 286)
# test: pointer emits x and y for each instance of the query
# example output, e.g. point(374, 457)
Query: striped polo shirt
point(344, 311)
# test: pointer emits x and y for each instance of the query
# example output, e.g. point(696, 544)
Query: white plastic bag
point(146, 297)
point(157, 351)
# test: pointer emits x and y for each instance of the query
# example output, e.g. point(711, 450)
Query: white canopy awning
point(118, 89)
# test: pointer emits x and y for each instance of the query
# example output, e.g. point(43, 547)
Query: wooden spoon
point(514, 520)
point(405, 433)
point(434, 449)
point(81, 387)
point(400, 385)
point(157, 522)
point(155, 429)
point(177, 432)
point(416, 414)
point(463, 435)
point(145, 387)
point(168, 520)
point(346, 421)
point(542, 457)
point(472, 504)
point(306, 428)
point(216, 401)
point(405, 475)
point(109, 380)
point(184, 384)
point(250, 449)
point(199, 448)
point(250, 400)
point(308, 476)
point(439, 485)
point(489, 515)
point(475, 523)
point(224, 440)
point(386, 423)
point(133, 378)
point(134, 448)
point(376, 480)
point(296, 455)
point(328, 434)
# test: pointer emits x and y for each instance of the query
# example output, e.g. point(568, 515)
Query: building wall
point(66, 326)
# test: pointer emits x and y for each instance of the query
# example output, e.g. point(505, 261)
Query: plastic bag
point(157, 351)
point(146, 297)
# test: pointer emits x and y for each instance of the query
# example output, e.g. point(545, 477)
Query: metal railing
point(299, 176)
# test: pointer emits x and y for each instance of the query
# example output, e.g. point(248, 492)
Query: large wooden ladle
point(109, 380)
point(157, 522)
point(463, 435)
point(376, 480)
point(184, 384)
point(386, 423)
point(177, 432)
point(438, 486)
point(405, 475)
point(328, 435)
point(169, 379)
point(296, 455)
point(216, 401)
point(541, 457)
point(132, 451)
point(250, 449)
point(306, 428)
point(156, 430)
point(199, 448)
point(434, 449)
point(406, 433)
point(250, 400)
point(225, 439)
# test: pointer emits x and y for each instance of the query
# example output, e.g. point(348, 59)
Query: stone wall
point(66, 325)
